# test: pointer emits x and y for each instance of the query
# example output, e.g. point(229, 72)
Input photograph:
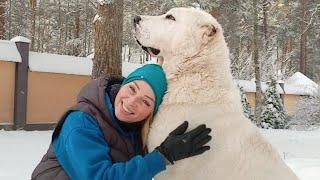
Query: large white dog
point(201, 90)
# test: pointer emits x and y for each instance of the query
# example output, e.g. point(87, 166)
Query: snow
point(103, 2)
point(298, 83)
point(250, 86)
point(21, 39)
point(91, 56)
point(9, 51)
point(54, 63)
point(299, 149)
point(96, 18)
point(127, 68)
point(21, 151)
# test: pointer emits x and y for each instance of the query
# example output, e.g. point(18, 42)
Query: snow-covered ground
point(21, 151)
point(300, 150)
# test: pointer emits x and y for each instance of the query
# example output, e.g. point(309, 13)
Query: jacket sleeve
point(84, 154)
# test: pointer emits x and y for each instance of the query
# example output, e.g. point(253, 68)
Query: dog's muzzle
point(149, 50)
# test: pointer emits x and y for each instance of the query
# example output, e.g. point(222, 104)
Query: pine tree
point(273, 115)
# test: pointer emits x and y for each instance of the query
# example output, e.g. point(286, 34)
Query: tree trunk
point(32, 30)
point(108, 39)
point(303, 38)
point(2, 18)
point(86, 29)
point(77, 21)
point(9, 20)
point(214, 11)
point(67, 25)
point(258, 95)
point(265, 22)
point(60, 27)
point(77, 47)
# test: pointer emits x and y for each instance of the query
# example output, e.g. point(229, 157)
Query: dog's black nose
point(136, 20)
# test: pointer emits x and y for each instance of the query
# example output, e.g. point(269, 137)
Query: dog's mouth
point(150, 50)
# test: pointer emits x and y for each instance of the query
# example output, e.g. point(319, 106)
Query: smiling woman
point(111, 121)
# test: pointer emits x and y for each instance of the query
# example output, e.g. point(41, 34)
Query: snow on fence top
point(9, 51)
point(21, 39)
point(54, 63)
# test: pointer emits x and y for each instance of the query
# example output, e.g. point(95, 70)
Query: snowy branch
point(310, 22)
point(93, 3)
point(96, 18)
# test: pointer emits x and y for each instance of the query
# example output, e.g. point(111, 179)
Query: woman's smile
point(126, 110)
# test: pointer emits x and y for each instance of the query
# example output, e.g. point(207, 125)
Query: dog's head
point(181, 32)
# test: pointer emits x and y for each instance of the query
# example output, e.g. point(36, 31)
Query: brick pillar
point(21, 82)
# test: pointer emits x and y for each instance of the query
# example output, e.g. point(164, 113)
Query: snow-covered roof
point(297, 84)
point(300, 84)
point(9, 51)
point(250, 86)
point(54, 63)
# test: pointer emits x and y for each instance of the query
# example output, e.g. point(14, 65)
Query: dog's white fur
point(201, 90)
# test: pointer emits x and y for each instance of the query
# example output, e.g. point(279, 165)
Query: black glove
point(179, 145)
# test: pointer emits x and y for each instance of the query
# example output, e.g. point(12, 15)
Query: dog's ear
point(209, 31)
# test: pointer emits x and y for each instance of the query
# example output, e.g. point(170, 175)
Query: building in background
point(291, 90)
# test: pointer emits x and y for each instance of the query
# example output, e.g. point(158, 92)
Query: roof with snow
point(297, 84)
point(9, 51)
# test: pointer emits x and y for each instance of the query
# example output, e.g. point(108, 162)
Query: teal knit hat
point(154, 75)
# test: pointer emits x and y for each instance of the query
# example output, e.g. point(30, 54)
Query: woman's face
point(134, 102)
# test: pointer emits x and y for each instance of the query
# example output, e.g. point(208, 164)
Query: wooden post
point(21, 83)
point(281, 84)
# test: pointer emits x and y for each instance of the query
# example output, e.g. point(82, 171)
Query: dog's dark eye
point(169, 16)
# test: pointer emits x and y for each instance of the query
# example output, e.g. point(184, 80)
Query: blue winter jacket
point(84, 154)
